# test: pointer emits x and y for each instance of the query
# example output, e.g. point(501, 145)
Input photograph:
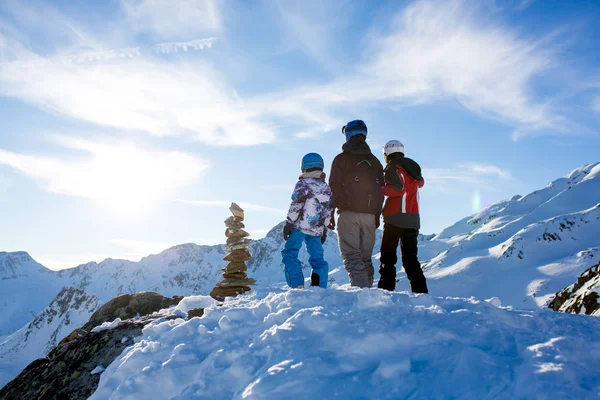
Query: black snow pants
point(408, 246)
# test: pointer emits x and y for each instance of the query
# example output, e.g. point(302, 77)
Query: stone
point(238, 241)
point(234, 221)
point(238, 256)
point(239, 245)
point(235, 282)
point(220, 293)
point(75, 335)
point(235, 267)
point(129, 305)
point(235, 275)
point(237, 211)
point(235, 233)
point(195, 312)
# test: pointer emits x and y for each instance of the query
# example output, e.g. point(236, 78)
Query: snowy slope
point(69, 310)
point(359, 343)
point(26, 288)
point(524, 249)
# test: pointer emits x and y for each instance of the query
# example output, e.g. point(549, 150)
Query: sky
point(128, 126)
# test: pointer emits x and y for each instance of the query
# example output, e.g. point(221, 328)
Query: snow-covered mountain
point(524, 249)
point(26, 288)
point(521, 250)
point(69, 310)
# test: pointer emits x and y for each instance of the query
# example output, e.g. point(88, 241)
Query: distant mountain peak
point(18, 264)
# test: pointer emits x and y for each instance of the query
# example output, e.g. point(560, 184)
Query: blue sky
point(128, 126)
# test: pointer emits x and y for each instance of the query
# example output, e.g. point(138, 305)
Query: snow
point(517, 253)
point(107, 325)
point(98, 370)
point(359, 343)
point(191, 302)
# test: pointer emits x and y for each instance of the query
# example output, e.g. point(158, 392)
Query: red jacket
point(402, 182)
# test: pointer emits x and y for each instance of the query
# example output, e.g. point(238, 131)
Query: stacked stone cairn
point(235, 281)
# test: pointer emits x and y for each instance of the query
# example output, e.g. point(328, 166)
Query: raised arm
point(393, 183)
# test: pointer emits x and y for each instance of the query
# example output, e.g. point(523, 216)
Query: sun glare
point(125, 179)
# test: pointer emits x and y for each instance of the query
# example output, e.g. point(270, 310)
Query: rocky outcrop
point(581, 297)
point(235, 280)
point(129, 306)
point(69, 370)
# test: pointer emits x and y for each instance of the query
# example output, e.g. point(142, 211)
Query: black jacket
point(356, 179)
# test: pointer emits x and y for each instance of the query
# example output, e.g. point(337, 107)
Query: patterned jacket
point(310, 211)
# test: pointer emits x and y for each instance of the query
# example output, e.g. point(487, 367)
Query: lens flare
point(476, 203)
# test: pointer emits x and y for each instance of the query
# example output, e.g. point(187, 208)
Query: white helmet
point(393, 146)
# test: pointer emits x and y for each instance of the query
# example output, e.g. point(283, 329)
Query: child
point(307, 221)
point(403, 179)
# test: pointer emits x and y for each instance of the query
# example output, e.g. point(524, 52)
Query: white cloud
point(173, 19)
point(137, 93)
point(473, 175)
point(225, 204)
point(174, 47)
point(437, 51)
point(122, 176)
point(486, 170)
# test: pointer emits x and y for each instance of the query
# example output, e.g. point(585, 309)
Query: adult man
point(356, 182)
point(401, 219)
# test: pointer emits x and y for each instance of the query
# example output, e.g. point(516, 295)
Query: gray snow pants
point(356, 233)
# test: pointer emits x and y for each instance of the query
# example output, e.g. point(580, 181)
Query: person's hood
point(356, 146)
point(313, 174)
point(410, 166)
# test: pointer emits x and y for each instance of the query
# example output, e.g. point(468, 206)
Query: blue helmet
point(312, 160)
point(353, 128)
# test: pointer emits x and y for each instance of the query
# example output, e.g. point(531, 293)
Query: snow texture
point(359, 343)
point(98, 370)
point(107, 325)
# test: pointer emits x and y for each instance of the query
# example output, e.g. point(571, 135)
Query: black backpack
point(363, 184)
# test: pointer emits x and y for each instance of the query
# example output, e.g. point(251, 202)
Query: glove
point(287, 230)
point(377, 221)
point(331, 225)
point(324, 236)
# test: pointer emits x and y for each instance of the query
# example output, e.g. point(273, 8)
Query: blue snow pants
point(293, 268)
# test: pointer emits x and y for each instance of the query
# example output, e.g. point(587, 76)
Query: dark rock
point(583, 294)
point(128, 306)
point(195, 312)
point(75, 335)
point(67, 374)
